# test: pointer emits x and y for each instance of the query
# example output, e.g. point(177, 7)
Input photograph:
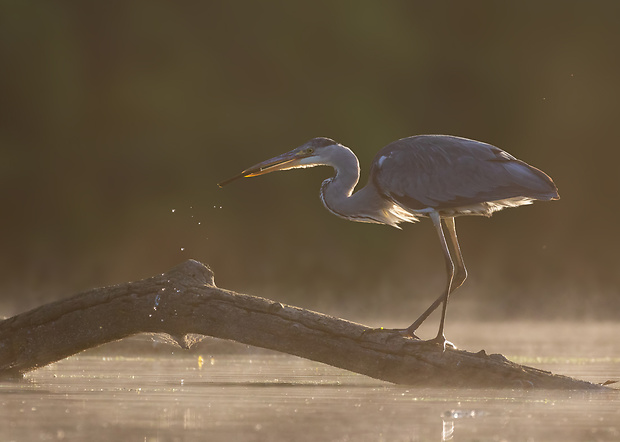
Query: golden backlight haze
point(117, 119)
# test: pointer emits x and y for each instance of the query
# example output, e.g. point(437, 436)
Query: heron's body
point(415, 176)
point(438, 176)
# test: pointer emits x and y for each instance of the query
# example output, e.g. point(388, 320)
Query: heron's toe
point(377, 330)
point(448, 344)
point(405, 333)
point(442, 342)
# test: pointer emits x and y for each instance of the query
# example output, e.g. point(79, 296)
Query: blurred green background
point(117, 119)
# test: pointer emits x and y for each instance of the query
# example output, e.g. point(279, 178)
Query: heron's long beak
point(287, 160)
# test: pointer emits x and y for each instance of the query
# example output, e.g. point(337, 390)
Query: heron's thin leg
point(450, 270)
point(460, 272)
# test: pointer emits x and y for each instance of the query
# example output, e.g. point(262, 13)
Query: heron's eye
point(310, 150)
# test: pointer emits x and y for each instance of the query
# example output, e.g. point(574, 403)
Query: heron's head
point(316, 152)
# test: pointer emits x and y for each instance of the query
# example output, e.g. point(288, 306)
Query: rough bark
point(185, 301)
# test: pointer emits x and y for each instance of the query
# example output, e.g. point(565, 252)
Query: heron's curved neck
point(337, 192)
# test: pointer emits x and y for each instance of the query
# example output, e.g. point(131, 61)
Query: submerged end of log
point(185, 300)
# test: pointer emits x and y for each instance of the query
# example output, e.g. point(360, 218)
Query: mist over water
point(136, 389)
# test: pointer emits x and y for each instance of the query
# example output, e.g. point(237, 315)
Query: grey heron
point(435, 176)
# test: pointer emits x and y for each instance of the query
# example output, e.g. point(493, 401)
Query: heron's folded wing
point(440, 171)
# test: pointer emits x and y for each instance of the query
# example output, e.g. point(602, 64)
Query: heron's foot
point(406, 333)
point(442, 342)
point(439, 341)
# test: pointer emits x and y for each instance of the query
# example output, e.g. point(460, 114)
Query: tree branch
point(185, 301)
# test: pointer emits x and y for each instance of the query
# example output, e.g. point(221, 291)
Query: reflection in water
point(235, 390)
point(448, 418)
point(447, 429)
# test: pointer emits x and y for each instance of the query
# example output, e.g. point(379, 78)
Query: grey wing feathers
point(440, 171)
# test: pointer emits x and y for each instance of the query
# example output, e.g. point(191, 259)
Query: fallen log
point(185, 300)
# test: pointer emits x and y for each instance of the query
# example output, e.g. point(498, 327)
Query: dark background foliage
point(118, 118)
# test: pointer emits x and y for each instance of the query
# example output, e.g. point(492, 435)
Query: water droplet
point(182, 249)
point(173, 210)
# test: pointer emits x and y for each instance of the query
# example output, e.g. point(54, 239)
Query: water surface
point(225, 391)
